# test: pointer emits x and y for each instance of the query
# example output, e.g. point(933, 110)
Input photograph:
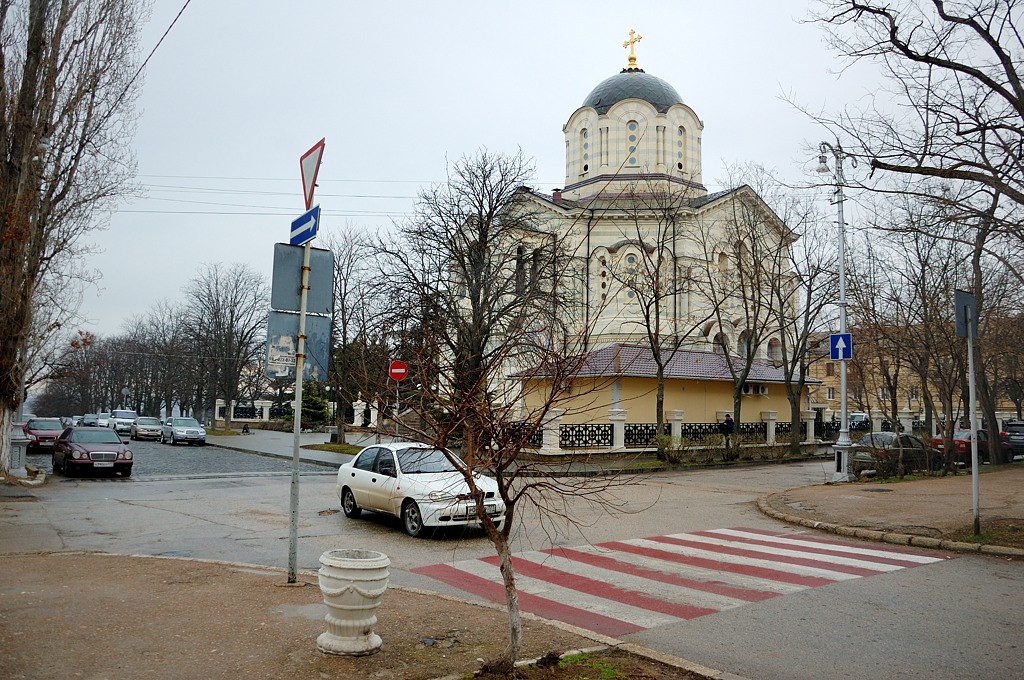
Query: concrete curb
point(764, 504)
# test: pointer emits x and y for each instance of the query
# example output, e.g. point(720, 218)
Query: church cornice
point(635, 178)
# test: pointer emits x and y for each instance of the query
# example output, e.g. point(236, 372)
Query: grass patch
point(347, 449)
point(220, 433)
point(1008, 532)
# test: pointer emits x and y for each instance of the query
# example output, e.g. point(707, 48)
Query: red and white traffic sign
point(309, 162)
point(398, 370)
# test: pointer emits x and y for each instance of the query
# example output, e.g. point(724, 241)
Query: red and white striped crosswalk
point(623, 587)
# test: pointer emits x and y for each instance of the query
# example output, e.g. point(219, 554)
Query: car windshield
point(147, 421)
point(103, 416)
point(91, 418)
point(45, 425)
point(126, 415)
point(95, 437)
point(414, 461)
point(186, 422)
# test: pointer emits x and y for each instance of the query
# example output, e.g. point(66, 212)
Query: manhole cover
point(879, 490)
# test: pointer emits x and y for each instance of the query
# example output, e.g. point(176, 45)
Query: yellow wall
point(588, 400)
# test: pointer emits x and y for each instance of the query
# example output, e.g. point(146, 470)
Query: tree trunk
point(505, 663)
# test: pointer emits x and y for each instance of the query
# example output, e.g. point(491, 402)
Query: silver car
point(186, 430)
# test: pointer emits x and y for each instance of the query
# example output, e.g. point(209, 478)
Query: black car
point(890, 453)
point(1013, 434)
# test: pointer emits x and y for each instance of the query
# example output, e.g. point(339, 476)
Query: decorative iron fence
point(752, 433)
point(535, 440)
point(644, 434)
point(585, 436)
point(784, 431)
point(278, 412)
point(700, 433)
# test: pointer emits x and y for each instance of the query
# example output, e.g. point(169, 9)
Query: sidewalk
point(920, 512)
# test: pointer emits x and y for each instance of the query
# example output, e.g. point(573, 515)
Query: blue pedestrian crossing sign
point(840, 346)
point(304, 229)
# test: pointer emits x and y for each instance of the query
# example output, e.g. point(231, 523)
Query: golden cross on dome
point(634, 38)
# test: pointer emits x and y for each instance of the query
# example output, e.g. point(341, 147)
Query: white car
point(121, 420)
point(418, 483)
point(186, 430)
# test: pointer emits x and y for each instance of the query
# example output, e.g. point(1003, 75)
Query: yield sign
point(310, 165)
point(840, 346)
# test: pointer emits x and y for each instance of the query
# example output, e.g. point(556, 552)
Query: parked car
point(1013, 433)
point(41, 433)
point(90, 420)
point(186, 430)
point(145, 427)
point(103, 420)
point(880, 451)
point(88, 448)
point(419, 483)
point(962, 447)
point(121, 420)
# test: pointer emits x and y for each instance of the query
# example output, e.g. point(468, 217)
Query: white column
point(551, 426)
point(769, 418)
point(808, 418)
point(358, 407)
point(675, 420)
point(618, 418)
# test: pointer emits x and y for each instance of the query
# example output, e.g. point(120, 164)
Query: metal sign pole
point(293, 522)
point(975, 490)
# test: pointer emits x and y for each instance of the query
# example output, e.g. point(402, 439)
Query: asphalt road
point(955, 618)
point(153, 459)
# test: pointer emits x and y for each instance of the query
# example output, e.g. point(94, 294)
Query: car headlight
point(440, 496)
point(76, 455)
point(127, 455)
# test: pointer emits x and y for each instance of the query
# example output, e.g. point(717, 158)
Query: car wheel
point(174, 441)
point(127, 472)
point(132, 436)
point(161, 437)
point(412, 520)
point(348, 504)
point(53, 463)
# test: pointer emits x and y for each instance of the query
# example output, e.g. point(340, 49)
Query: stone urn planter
point(352, 582)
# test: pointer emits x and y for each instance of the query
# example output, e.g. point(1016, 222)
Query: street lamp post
point(842, 445)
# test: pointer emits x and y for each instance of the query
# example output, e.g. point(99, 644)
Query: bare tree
point(743, 254)
point(227, 316)
point(490, 291)
point(953, 111)
point(66, 90)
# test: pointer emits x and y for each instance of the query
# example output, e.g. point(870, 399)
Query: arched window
point(584, 151)
point(721, 343)
point(680, 148)
point(774, 350)
point(743, 345)
point(632, 142)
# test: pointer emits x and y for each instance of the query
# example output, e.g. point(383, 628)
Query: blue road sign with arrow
point(840, 346)
point(304, 228)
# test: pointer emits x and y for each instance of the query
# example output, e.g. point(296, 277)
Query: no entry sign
point(398, 370)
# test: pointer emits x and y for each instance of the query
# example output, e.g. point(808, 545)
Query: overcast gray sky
point(238, 91)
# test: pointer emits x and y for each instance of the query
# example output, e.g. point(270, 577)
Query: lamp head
point(823, 168)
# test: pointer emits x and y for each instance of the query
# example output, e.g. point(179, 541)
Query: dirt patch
point(65, 615)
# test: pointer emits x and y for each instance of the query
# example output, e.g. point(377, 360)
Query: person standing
point(726, 427)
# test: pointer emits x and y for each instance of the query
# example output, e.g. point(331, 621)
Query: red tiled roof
point(638, 361)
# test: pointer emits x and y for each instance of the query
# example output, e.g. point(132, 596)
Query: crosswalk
point(621, 587)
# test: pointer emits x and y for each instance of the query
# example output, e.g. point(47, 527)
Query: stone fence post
point(358, 407)
point(769, 418)
point(550, 432)
point(618, 418)
point(675, 421)
point(808, 418)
